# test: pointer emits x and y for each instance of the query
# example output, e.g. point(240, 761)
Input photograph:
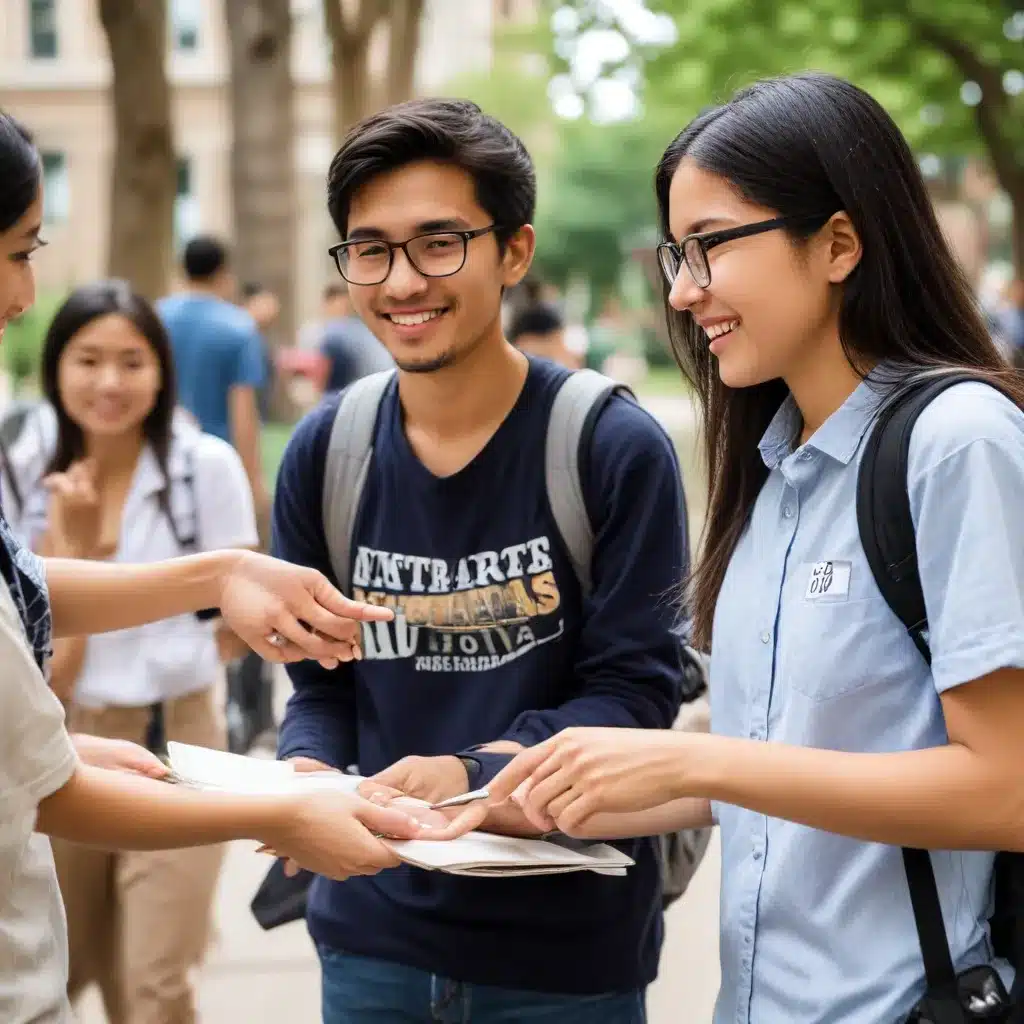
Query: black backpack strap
point(887, 535)
point(883, 501)
point(931, 930)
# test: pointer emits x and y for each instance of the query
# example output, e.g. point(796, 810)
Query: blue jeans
point(361, 990)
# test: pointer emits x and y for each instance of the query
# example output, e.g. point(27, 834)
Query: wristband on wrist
point(482, 765)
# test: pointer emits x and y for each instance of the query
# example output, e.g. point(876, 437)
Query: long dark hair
point(20, 171)
point(82, 307)
point(801, 145)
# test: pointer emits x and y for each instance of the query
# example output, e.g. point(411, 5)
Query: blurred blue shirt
point(217, 346)
point(816, 927)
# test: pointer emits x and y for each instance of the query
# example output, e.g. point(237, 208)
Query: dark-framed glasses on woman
point(368, 261)
point(693, 249)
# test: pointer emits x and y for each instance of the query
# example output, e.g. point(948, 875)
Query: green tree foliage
point(598, 202)
point(950, 72)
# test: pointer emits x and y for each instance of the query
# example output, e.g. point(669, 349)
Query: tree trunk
point(143, 181)
point(403, 45)
point(351, 86)
point(263, 177)
point(349, 25)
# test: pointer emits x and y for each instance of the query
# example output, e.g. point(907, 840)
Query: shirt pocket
point(837, 645)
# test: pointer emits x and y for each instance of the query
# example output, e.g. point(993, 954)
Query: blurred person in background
point(539, 330)
point(350, 348)
point(250, 706)
point(134, 487)
point(265, 309)
point(1011, 320)
point(218, 358)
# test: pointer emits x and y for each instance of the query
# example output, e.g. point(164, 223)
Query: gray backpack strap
point(573, 414)
point(348, 459)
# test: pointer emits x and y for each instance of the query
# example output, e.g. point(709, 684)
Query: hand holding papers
point(476, 853)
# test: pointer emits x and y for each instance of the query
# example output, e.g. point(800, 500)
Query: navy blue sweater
point(492, 640)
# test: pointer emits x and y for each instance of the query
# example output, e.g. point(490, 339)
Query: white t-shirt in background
point(175, 657)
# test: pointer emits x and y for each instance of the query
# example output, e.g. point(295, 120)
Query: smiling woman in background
point(127, 483)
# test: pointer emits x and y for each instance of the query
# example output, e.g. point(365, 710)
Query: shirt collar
point(839, 436)
point(149, 479)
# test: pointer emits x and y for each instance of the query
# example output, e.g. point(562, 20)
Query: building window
point(56, 188)
point(42, 28)
point(185, 19)
point(186, 204)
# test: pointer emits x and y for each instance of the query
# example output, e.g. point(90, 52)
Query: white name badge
point(828, 581)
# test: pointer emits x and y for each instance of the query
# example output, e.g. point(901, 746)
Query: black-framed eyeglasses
point(693, 249)
point(368, 261)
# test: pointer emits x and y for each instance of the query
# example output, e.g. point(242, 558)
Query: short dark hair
point(204, 255)
point(450, 131)
point(542, 318)
point(334, 290)
point(20, 171)
point(250, 289)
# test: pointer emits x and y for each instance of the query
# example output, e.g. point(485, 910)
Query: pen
point(463, 798)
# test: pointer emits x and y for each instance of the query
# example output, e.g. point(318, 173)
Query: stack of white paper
point(483, 855)
point(203, 768)
point(479, 854)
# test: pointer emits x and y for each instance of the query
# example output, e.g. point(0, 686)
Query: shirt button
point(757, 855)
point(787, 512)
point(765, 636)
point(805, 455)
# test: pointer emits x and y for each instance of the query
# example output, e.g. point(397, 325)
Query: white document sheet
point(479, 854)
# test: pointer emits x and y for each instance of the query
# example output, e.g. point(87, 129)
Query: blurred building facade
point(55, 72)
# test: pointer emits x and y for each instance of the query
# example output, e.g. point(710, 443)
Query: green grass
point(275, 437)
point(663, 381)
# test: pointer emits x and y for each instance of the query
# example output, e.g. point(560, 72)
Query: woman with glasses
point(806, 278)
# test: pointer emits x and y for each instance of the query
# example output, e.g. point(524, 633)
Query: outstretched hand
point(579, 772)
point(263, 597)
point(118, 755)
point(340, 834)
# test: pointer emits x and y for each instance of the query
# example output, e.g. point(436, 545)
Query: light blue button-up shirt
point(818, 928)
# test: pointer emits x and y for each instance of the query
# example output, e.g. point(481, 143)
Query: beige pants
point(139, 922)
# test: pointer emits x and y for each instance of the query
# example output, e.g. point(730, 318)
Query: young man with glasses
point(493, 646)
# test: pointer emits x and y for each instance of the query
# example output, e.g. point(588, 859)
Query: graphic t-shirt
point(493, 640)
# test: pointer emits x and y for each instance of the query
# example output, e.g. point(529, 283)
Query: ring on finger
point(275, 639)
